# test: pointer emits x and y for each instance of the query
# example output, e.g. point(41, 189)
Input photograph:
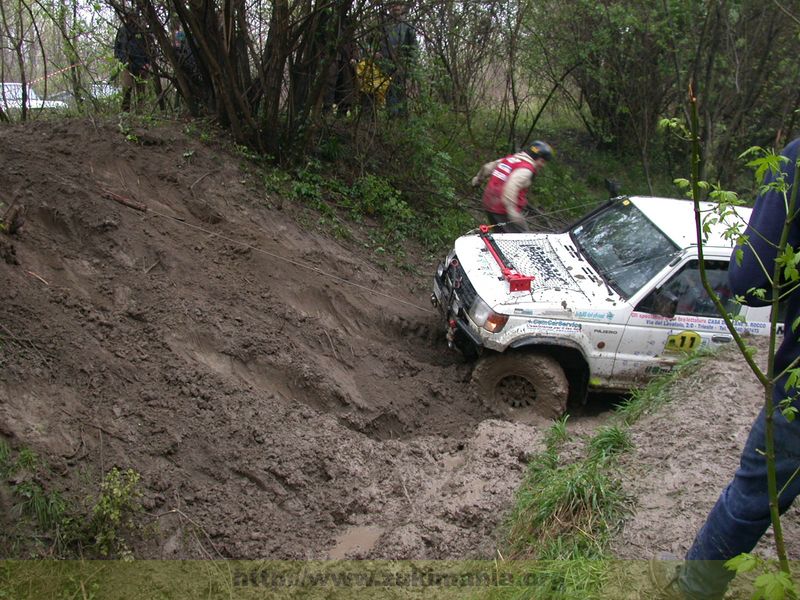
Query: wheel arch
point(569, 356)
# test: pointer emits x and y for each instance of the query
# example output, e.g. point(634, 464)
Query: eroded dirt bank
point(213, 344)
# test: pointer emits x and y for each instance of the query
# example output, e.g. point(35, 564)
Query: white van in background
point(11, 99)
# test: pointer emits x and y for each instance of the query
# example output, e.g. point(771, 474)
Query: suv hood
point(563, 279)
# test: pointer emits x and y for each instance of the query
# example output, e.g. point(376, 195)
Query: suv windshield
point(624, 246)
point(13, 92)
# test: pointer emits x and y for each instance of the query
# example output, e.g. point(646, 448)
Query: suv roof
point(676, 219)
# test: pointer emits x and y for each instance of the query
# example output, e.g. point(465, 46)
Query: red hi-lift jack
point(517, 282)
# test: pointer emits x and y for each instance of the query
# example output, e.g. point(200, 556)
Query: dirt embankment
point(268, 381)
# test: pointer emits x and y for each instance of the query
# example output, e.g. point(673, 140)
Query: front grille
point(455, 279)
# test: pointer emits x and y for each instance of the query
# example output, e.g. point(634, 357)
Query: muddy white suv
point(605, 305)
point(11, 99)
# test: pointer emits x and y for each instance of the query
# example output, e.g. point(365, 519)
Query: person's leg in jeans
point(127, 81)
point(741, 515)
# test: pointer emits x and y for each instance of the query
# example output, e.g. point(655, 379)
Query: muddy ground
point(686, 453)
point(284, 393)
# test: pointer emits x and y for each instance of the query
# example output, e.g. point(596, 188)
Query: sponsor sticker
point(555, 325)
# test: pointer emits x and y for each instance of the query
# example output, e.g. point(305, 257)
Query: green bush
point(374, 196)
point(114, 513)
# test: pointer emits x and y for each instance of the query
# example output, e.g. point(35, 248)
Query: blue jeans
point(741, 515)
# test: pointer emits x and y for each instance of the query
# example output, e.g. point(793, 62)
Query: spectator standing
point(506, 194)
point(340, 82)
point(130, 49)
point(742, 513)
point(186, 58)
point(397, 54)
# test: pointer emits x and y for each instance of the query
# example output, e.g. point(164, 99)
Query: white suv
point(11, 99)
point(605, 305)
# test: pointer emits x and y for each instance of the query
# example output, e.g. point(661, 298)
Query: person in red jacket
point(505, 196)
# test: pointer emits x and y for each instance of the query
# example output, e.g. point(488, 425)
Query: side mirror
point(613, 188)
point(665, 304)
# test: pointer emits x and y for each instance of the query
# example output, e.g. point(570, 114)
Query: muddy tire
point(522, 387)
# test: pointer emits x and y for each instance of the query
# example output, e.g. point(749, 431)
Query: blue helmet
point(539, 149)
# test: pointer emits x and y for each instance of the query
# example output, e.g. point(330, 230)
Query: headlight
point(483, 316)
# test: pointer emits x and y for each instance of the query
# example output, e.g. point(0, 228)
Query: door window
point(693, 300)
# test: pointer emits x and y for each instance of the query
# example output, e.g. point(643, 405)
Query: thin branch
point(786, 12)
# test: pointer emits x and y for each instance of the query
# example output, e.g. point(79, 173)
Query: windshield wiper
point(605, 281)
point(592, 262)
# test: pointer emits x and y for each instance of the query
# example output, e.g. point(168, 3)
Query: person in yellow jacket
point(372, 82)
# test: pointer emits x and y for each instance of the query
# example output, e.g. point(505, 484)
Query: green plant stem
point(695, 177)
point(767, 380)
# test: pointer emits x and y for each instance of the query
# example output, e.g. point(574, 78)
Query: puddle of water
point(356, 538)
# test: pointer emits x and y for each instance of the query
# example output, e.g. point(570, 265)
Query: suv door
point(653, 342)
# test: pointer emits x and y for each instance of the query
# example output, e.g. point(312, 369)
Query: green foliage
point(32, 504)
point(565, 512)
point(568, 511)
point(771, 583)
point(115, 510)
point(430, 174)
point(368, 195)
point(46, 524)
point(199, 129)
point(27, 459)
point(374, 196)
point(558, 191)
point(126, 129)
point(306, 190)
point(47, 509)
point(438, 228)
point(248, 154)
point(557, 434)
point(276, 181)
point(5, 458)
point(332, 148)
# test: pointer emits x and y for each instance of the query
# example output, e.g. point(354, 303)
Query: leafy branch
point(782, 277)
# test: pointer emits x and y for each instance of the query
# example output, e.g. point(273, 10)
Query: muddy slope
point(282, 395)
point(272, 384)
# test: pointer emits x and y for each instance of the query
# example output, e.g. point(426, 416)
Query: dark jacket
point(764, 231)
point(130, 48)
point(398, 46)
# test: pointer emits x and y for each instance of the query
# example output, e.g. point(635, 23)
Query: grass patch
point(655, 395)
point(46, 525)
point(565, 511)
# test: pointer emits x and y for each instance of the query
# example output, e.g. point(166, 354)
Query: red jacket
point(493, 194)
